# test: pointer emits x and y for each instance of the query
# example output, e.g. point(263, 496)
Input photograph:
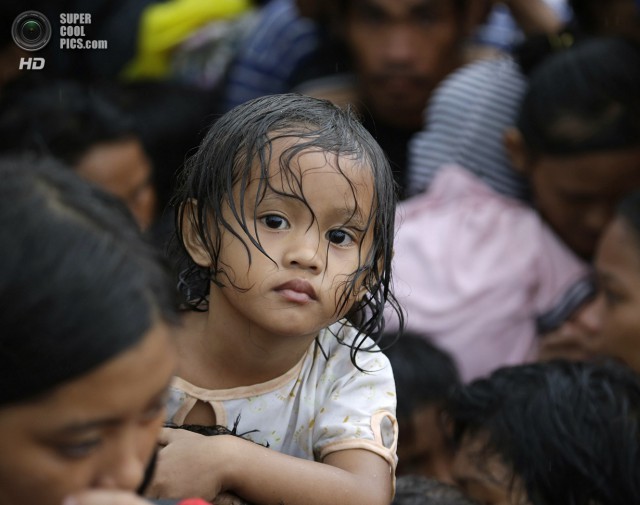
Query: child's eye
point(339, 237)
point(275, 222)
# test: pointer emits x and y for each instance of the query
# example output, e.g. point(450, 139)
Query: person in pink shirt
point(485, 274)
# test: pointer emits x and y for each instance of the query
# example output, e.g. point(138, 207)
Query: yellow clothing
point(165, 25)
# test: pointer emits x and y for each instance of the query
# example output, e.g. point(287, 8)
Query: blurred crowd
point(512, 129)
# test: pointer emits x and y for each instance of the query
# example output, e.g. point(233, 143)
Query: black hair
point(424, 374)
point(63, 119)
point(583, 99)
point(584, 15)
point(242, 138)
point(591, 17)
point(568, 430)
point(421, 490)
point(78, 285)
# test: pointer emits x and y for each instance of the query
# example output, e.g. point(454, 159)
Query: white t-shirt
point(322, 405)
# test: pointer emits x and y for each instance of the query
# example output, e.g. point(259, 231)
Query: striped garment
point(465, 123)
point(270, 55)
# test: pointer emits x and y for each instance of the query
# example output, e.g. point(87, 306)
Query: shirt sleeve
point(565, 282)
point(358, 407)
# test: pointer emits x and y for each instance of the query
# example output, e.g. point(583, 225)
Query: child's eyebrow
point(352, 216)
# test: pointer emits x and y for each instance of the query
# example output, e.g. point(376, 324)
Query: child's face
point(423, 448)
point(577, 195)
point(485, 478)
point(618, 268)
point(314, 248)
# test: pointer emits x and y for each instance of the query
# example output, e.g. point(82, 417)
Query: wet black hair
point(569, 431)
point(60, 118)
point(78, 284)
point(583, 99)
point(424, 374)
point(225, 161)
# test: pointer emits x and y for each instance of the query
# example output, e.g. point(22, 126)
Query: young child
point(425, 376)
point(287, 212)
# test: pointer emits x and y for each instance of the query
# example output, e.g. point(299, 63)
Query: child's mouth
point(294, 296)
point(297, 291)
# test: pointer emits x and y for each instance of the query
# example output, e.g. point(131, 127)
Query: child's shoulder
point(337, 342)
point(342, 334)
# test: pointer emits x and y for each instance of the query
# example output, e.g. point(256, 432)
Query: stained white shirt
point(322, 405)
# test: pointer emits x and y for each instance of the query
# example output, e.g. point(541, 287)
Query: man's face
point(578, 194)
point(402, 50)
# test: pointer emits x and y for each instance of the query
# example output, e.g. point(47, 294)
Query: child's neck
point(215, 354)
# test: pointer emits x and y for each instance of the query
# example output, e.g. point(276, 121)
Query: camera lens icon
point(31, 30)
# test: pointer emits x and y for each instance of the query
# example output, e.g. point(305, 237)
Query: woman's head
point(305, 168)
point(85, 354)
point(82, 128)
point(618, 272)
point(579, 137)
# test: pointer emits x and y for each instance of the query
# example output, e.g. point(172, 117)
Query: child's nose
point(304, 252)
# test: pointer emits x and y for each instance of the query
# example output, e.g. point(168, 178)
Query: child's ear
point(516, 149)
point(369, 278)
point(191, 238)
point(362, 292)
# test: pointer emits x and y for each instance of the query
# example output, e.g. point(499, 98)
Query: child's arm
point(194, 465)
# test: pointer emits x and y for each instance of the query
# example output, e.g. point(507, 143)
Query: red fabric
point(194, 501)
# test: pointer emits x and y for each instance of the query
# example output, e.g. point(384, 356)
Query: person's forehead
point(597, 170)
point(619, 251)
point(398, 6)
